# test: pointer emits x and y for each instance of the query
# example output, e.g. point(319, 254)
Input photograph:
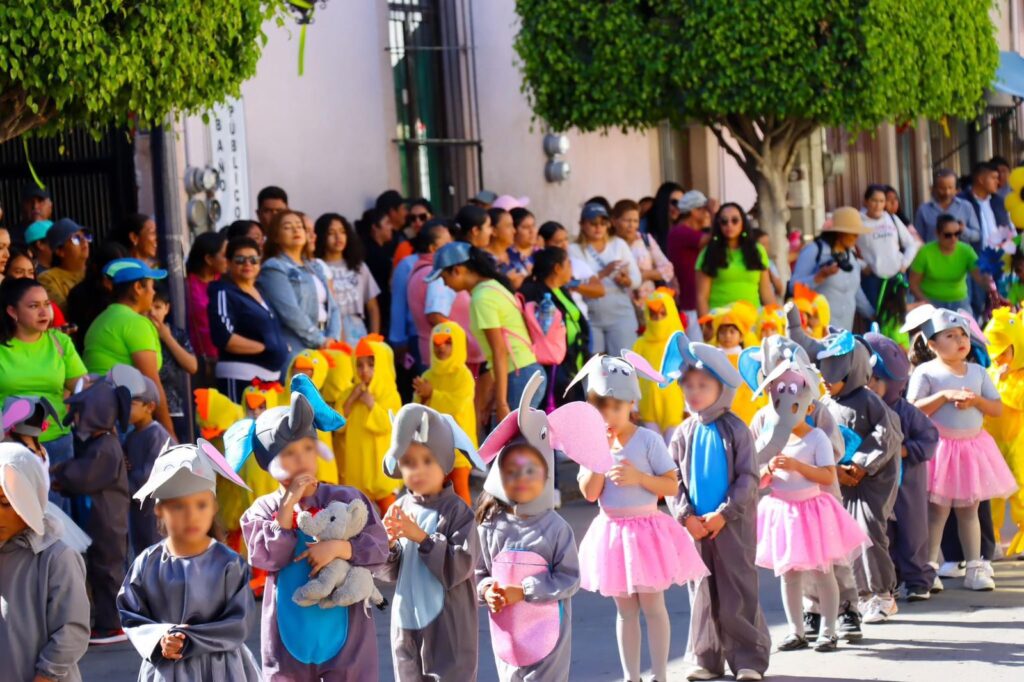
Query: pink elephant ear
point(578, 430)
point(220, 464)
point(16, 412)
point(975, 329)
point(643, 367)
point(499, 437)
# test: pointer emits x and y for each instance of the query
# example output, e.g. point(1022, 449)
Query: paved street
point(959, 635)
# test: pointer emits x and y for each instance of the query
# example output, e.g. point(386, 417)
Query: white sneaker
point(952, 569)
point(874, 612)
point(988, 568)
point(699, 673)
point(978, 578)
point(748, 674)
point(888, 606)
point(937, 585)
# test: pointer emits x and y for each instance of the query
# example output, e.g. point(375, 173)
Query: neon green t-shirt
point(115, 335)
point(493, 307)
point(735, 282)
point(41, 369)
point(944, 278)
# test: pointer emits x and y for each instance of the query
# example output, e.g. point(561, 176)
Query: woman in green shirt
point(495, 319)
point(733, 266)
point(940, 269)
point(37, 361)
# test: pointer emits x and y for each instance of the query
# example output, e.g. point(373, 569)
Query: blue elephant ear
point(239, 441)
point(981, 352)
point(325, 418)
point(750, 366)
point(673, 361)
point(464, 444)
point(839, 345)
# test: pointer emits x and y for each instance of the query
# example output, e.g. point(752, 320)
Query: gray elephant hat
point(616, 377)
point(181, 470)
point(576, 429)
point(28, 415)
point(440, 434)
point(681, 356)
point(845, 358)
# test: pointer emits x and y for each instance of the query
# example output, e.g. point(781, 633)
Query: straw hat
point(847, 219)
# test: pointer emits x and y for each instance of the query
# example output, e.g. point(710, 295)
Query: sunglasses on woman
point(952, 235)
point(734, 220)
point(419, 217)
point(245, 260)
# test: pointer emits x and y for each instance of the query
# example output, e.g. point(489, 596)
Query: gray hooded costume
point(532, 545)
point(726, 621)
point(875, 436)
point(434, 622)
point(42, 581)
point(98, 470)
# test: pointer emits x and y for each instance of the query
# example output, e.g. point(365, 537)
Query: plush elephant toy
point(339, 583)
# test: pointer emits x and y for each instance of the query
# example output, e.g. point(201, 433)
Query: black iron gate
point(92, 182)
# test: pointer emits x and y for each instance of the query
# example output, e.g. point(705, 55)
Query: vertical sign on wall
point(228, 151)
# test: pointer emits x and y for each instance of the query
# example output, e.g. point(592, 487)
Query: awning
point(1010, 74)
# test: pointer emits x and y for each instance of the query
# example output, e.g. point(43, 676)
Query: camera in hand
point(842, 259)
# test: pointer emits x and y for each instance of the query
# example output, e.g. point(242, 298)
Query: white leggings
point(825, 587)
point(627, 630)
point(967, 524)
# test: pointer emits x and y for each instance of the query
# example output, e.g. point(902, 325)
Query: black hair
point(123, 291)
point(206, 244)
point(161, 291)
point(983, 167)
point(920, 353)
point(271, 192)
point(371, 217)
point(482, 263)
point(549, 229)
point(240, 228)
point(716, 255)
point(428, 234)
point(488, 506)
point(421, 201)
point(131, 224)
point(239, 243)
point(495, 215)
point(944, 173)
point(352, 254)
point(388, 201)
point(468, 218)
point(998, 161)
point(944, 219)
point(18, 251)
point(11, 293)
point(107, 251)
point(874, 188)
point(544, 262)
point(519, 214)
point(657, 217)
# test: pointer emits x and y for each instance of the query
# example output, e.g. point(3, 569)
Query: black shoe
point(812, 624)
point(849, 625)
point(827, 644)
point(918, 594)
point(792, 643)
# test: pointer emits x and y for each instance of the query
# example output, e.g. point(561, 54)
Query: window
point(437, 132)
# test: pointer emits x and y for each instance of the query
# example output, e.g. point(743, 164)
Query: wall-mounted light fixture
point(555, 145)
point(557, 171)
point(202, 211)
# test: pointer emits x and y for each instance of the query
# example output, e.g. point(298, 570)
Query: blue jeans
point(61, 450)
point(517, 381)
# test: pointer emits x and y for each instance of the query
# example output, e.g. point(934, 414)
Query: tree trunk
point(772, 183)
point(17, 117)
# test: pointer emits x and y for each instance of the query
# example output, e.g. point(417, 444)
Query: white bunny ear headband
point(616, 377)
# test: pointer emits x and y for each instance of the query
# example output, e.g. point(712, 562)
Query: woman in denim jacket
point(296, 291)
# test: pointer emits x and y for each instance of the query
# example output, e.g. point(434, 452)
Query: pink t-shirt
point(459, 312)
point(198, 320)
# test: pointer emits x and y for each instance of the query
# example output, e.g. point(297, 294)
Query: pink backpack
point(549, 348)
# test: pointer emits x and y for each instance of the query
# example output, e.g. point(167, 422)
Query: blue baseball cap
point(448, 255)
point(63, 230)
point(123, 270)
point(592, 211)
point(37, 231)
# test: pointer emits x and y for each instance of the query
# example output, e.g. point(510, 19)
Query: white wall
point(614, 165)
point(325, 137)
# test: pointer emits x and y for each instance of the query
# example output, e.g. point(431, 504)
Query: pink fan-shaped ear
point(221, 464)
point(643, 367)
point(975, 329)
point(578, 430)
point(499, 437)
point(16, 412)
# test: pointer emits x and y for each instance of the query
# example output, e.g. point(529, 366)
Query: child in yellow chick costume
point(731, 330)
point(448, 387)
point(1005, 333)
point(366, 406)
point(315, 365)
point(815, 313)
point(661, 409)
point(215, 413)
point(770, 320)
point(340, 375)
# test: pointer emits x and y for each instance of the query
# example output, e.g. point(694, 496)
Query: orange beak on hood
point(303, 362)
point(211, 432)
point(656, 305)
point(202, 403)
point(255, 400)
point(441, 338)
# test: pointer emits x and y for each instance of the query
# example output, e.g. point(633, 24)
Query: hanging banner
point(229, 157)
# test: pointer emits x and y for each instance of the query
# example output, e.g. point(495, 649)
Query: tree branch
point(747, 165)
point(743, 132)
point(16, 118)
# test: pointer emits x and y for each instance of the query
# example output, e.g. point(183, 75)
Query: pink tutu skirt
point(806, 531)
point(627, 551)
point(967, 469)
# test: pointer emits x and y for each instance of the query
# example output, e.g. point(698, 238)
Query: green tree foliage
point(766, 71)
point(93, 63)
